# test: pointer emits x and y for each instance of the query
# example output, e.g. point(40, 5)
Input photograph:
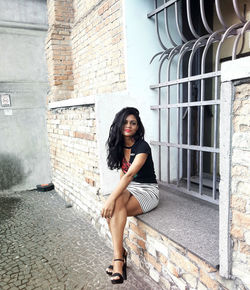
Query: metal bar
point(178, 24)
point(186, 146)
point(216, 37)
point(167, 27)
point(236, 42)
point(187, 79)
point(237, 11)
point(211, 39)
point(157, 29)
point(229, 32)
point(183, 50)
point(187, 104)
point(158, 53)
point(190, 192)
point(162, 7)
point(203, 17)
point(171, 56)
point(219, 14)
point(196, 46)
point(190, 23)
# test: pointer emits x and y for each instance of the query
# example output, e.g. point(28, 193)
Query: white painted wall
point(141, 44)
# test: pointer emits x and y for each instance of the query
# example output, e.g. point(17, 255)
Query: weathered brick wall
point(98, 47)
point(168, 263)
point(240, 200)
point(58, 49)
point(72, 138)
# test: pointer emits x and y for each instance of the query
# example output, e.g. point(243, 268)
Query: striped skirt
point(147, 194)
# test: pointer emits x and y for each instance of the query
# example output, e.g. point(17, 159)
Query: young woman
point(137, 191)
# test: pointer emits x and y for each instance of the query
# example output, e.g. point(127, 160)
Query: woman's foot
point(109, 269)
point(119, 271)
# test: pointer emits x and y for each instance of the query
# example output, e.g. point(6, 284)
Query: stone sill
point(82, 101)
point(189, 222)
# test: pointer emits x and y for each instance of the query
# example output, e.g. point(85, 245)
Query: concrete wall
point(24, 161)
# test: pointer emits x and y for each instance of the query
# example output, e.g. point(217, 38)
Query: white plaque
point(5, 100)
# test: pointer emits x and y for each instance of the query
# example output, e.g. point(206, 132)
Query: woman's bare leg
point(126, 205)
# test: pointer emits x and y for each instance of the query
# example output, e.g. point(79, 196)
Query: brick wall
point(58, 49)
point(73, 154)
point(98, 47)
point(168, 263)
point(240, 201)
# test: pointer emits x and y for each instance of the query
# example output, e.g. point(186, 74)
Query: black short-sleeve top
point(147, 173)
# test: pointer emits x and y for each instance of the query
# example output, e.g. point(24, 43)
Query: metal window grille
point(191, 35)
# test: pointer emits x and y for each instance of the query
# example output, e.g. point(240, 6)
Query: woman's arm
point(125, 179)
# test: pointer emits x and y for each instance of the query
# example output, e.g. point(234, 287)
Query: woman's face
point(130, 126)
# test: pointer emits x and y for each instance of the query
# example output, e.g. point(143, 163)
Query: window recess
point(194, 37)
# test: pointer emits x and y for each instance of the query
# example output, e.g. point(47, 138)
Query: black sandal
point(111, 267)
point(124, 273)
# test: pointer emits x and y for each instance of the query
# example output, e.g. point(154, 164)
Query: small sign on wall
point(5, 100)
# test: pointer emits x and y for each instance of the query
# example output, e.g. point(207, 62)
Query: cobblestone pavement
point(45, 245)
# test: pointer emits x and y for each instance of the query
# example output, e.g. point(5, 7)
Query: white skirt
point(147, 194)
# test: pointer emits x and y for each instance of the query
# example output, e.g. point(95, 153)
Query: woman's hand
point(108, 208)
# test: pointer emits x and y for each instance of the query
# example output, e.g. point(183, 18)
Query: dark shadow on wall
point(11, 171)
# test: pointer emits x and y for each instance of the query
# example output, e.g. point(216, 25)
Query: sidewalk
point(44, 245)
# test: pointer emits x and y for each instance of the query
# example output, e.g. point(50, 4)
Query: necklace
point(128, 147)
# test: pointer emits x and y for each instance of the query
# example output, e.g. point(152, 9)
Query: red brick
point(184, 263)
point(205, 279)
point(153, 262)
point(138, 231)
point(201, 264)
point(240, 219)
point(133, 246)
point(237, 233)
point(238, 203)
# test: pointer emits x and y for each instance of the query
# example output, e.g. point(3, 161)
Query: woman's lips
point(127, 130)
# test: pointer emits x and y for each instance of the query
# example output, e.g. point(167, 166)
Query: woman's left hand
point(108, 208)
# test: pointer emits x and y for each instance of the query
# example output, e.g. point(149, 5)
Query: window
point(195, 37)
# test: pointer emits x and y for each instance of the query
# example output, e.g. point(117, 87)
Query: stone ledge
point(190, 223)
point(82, 101)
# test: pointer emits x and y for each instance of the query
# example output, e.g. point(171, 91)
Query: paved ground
point(44, 245)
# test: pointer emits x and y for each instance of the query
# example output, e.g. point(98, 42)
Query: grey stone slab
point(191, 223)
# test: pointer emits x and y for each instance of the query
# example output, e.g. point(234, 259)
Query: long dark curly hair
point(115, 140)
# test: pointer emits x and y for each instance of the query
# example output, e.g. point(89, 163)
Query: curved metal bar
point(199, 42)
point(219, 14)
point(183, 50)
point(215, 36)
point(186, 47)
point(203, 17)
point(178, 24)
point(159, 114)
point(212, 39)
point(190, 23)
point(171, 57)
point(166, 26)
point(167, 52)
point(158, 53)
point(157, 29)
point(236, 42)
point(228, 32)
point(237, 11)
